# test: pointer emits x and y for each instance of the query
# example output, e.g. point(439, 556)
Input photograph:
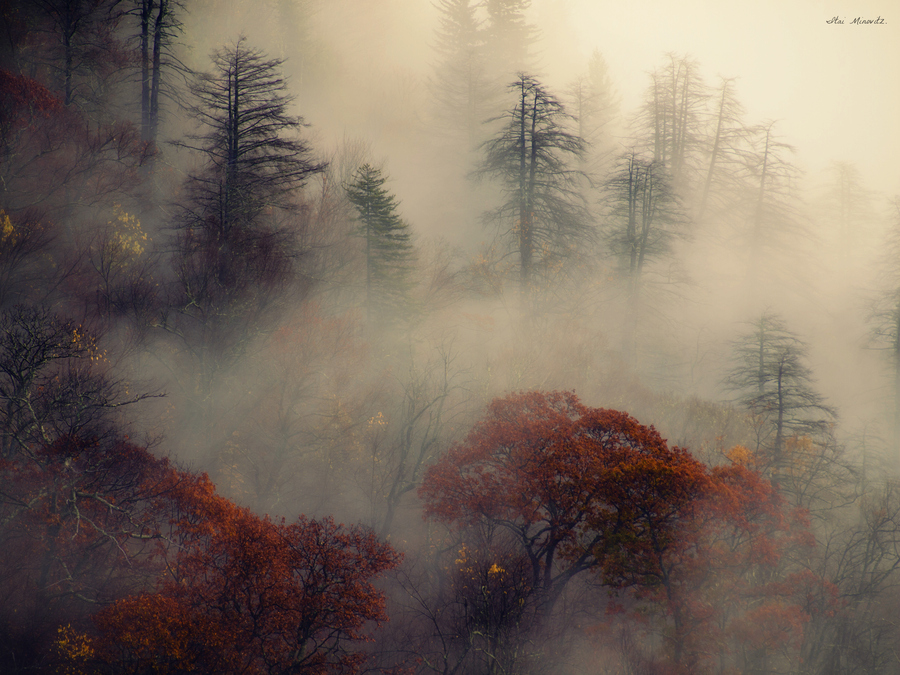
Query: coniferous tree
point(672, 117)
point(388, 248)
point(772, 382)
point(644, 216)
point(594, 103)
point(254, 158)
point(509, 37)
point(771, 204)
point(535, 158)
point(727, 146)
point(461, 91)
point(239, 245)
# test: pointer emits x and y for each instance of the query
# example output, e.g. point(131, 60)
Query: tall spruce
point(254, 158)
point(536, 160)
point(388, 248)
point(772, 382)
point(460, 89)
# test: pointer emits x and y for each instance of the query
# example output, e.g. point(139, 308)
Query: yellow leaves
point(85, 343)
point(741, 455)
point(73, 649)
point(496, 570)
point(8, 234)
point(463, 554)
point(123, 242)
point(377, 421)
point(128, 235)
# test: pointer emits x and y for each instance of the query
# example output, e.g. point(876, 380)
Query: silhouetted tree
point(158, 27)
point(80, 48)
point(672, 117)
point(535, 158)
point(644, 215)
point(253, 158)
point(460, 88)
point(509, 37)
point(594, 103)
point(388, 250)
point(771, 192)
point(727, 146)
point(772, 382)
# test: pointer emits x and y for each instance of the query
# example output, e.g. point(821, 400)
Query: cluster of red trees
point(114, 561)
point(550, 491)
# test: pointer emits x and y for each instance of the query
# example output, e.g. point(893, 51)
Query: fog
point(707, 241)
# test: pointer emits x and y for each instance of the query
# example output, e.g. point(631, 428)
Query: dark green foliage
point(389, 252)
point(772, 381)
point(644, 216)
point(535, 159)
point(254, 159)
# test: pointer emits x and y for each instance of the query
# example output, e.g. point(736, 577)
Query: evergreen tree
point(772, 382)
point(594, 103)
point(536, 159)
point(238, 246)
point(672, 117)
point(509, 37)
point(644, 216)
point(461, 91)
point(254, 159)
point(726, 150)
point(388, 249)
point(771, 204)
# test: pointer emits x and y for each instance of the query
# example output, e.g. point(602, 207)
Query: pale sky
point(834, 88)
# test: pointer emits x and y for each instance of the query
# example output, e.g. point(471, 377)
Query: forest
point(320, 365)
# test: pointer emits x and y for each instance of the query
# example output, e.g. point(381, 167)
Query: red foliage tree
point(583, 489)
point(79, 525)
point(246, 595)
point(53, 158)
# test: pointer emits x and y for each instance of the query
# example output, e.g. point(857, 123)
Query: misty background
point(709, 241)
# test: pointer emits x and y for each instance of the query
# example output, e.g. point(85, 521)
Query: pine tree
point(254, 159)
point(509, 37)
point(237, 249)
point(594, 103)
point(461, 92)
point(388, 249)
point(672, 117)
point(772, 382)
point(536, 160)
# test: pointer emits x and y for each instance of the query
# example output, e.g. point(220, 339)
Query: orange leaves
point(584, 488)
point(581, 489)
point(245, 594)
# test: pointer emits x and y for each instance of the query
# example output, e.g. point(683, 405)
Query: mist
point(534, 336)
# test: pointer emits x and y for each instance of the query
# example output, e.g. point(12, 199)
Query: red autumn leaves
point(247, 595)
point(581, 489)
point(233, 592)
point(550, 490)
